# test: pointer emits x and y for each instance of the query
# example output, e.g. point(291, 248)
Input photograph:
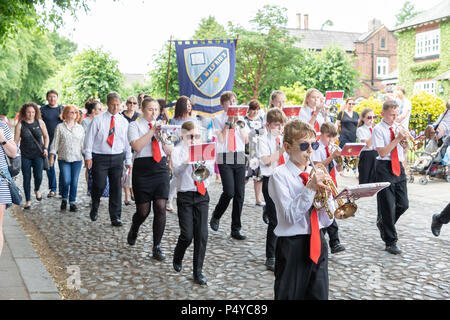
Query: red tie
point(315, 246)
point(155, 147)
point(231, 139)
point(370, 130)
point(112, 129)
point(281, 158)
point(333, 171)
point(394, 156)
point(200, 186)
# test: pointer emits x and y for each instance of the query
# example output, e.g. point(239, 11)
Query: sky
point(133, 31)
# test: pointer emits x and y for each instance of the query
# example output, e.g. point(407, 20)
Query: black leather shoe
point(238, 235)
point(132, 236)
point(116, 223)
point(177, 266)
point(63, 205)
point(93, 214)
point(73, 208)
point(270, 264)
point(436, 225)
point(214, 223)
point(337, 248)
point(158, 254)
point(265, 217)
point(393, 249)
point(200, 279)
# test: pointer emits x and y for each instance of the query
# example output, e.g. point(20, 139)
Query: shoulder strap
point(34, 139)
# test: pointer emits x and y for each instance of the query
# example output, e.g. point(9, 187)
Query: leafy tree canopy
point(407, 12)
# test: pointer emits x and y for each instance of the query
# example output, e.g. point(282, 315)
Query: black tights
point(159, 218)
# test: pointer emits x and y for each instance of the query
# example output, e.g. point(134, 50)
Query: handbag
point(14, 164)
point(46, 163)
point(13, 189)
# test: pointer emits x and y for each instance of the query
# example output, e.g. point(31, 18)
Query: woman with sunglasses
point(68, 145)
point(347, 123)
point(368, 155)
point(130, 115)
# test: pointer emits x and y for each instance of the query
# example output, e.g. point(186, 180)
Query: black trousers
point(271, 238)
point(193, 220)
point(333, 233)
point(110, 166)
point(444, 216)
point(392, 201)
point(232, 174)
point(367, 166)
point(297, 277)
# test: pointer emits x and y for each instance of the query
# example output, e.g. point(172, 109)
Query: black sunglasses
point(130, 102)
point(372, 117)
point(305, 145)
point(193, 136)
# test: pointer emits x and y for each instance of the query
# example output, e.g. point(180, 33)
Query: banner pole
point(237, 39)
point(168, 69)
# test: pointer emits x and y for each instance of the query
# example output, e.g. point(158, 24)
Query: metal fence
point(417, 125)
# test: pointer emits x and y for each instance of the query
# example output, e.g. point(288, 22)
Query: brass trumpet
point(200, 171)
point(344, 210)
point(238, 122)
point(409, 138)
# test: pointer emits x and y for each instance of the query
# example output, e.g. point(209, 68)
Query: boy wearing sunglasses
point(271, 155)
point(325, 156)
point(192, 203)
point(301, 253)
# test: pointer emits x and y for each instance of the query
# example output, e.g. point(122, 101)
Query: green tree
point(209, 28)
point(264, 55)
point(95, 71)
point(328, 23)
point(64, 48)
point(17, 14)
point(407, 12)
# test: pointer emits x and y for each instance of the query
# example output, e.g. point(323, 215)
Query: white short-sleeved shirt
point(136, 130)
point(320, 154)
point(306, 115)
point(266, 147)
point(293, 202)
point(363, 133)
point(219, 124)
point(381, 137)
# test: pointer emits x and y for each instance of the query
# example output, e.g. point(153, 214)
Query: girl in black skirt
point(368, 156)
point(150, 177)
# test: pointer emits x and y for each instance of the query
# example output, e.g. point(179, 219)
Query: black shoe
point(158, 254)
point(337, 248)
point(436, 225)
point(200, 279)
point(265, 217)
point(51, 194)
point(238, 235)
point(393, 249)
point(93, 214)
point(63, 205)
point(39, 199)
point(177, 266)
point(27, 207)
point(270, 264)
point(127, 203)
point(132, 236)
point(214, 223)
point(73, 208)
point(116, 223)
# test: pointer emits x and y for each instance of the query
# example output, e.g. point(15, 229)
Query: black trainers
point(63, 205)
point(158, 254)
point(73, 208)
point(393, 249)
point(436, 225)
point(337, 248)
point(214, 223)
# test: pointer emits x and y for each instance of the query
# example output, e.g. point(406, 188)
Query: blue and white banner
point(205, 70)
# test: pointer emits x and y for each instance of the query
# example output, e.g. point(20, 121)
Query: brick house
point(375, 51)
point(423, 54)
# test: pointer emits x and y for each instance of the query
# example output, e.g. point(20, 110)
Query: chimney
point(299, 20)
point(374, 24)
point(305, 18)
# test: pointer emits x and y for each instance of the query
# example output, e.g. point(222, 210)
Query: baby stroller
point(433, 162)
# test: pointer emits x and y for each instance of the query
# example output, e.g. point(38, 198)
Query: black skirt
point(150, 179)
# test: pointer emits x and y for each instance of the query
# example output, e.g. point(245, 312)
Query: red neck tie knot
point(305, 177)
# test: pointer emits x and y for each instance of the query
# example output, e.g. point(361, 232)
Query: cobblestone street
point(111, 269)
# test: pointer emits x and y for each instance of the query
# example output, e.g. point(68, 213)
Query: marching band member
point(231, 162)
point(192, 203)
point(277, 100)
point(271, 155)
point(392, 201)
point(368, 155)
point(313, 108)
point(325, 157)
point(301, 254)
point(150, 175)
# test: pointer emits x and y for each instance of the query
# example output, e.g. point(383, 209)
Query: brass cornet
point(168, 136)
point(200, 171)
point(415, 144)
point(344, 210)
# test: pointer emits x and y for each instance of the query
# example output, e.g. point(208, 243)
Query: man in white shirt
point(231, 162)
point(105, 148)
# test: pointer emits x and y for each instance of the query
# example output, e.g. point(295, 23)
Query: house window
point(427, 86)
point(383, 43)
point(382, 66)
point(428, 43)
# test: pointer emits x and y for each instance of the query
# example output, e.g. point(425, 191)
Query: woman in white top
point(368, 155)
point(68, 144)
point(313, 109)
point(150, 177)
